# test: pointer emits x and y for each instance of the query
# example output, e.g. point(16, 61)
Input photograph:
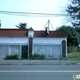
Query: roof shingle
point(24, 33)
point(13, 32)
point(51, 34)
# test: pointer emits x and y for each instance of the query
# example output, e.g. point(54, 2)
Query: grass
point(74, 56)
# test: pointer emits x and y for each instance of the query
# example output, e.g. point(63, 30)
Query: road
point(38, 72)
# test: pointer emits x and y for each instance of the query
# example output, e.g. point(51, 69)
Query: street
point(38, 72)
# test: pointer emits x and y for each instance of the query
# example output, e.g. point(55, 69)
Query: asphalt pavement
point(38, 72)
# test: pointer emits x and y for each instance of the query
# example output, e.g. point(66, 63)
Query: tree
point(73, 10)
point(78, 31)
point(21, 25)
point(72, 35)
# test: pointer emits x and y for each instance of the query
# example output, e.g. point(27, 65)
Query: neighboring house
point(26, 42)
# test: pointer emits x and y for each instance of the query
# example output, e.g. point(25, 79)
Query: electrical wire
point(30, 13)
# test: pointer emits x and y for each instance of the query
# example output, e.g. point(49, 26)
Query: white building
point(26, 42)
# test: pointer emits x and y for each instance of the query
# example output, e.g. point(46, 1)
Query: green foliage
point(11, 57)
point(73, 10)
point(21, 25)
point(72, 35)
point(78, 30)
point(38, 56)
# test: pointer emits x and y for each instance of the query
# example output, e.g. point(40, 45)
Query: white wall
point(9, 50)
point(57, 51)
point(14, 50)
point(48, 40)
point(3, 50)
point(13, 40)
point(40, 49)
point(50, 47)
point(49, 51)
point(44, 43)
point(13, 45)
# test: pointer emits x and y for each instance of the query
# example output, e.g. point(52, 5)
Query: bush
point(38, 56)
point(11, 57)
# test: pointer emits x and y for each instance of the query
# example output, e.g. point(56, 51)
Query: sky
point(37, 22)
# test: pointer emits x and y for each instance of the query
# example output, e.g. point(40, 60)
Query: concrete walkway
point(35, 62)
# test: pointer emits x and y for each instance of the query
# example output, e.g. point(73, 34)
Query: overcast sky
point(35, 6)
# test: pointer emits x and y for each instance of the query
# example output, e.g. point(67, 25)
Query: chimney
point(47, 30)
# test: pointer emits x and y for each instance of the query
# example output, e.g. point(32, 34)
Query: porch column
point(30, 42)
point(20, 57)
point(63, 49)
point(30, 46)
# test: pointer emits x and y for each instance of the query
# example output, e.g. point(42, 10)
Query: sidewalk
point(35, 62)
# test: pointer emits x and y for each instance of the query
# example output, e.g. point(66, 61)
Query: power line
point(30, 13)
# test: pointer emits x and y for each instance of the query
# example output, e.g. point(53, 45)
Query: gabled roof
point(24, 33)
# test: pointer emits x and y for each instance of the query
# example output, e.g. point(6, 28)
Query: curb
point(37, 62)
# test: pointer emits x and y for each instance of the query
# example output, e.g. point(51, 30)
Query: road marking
point(40, 71)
